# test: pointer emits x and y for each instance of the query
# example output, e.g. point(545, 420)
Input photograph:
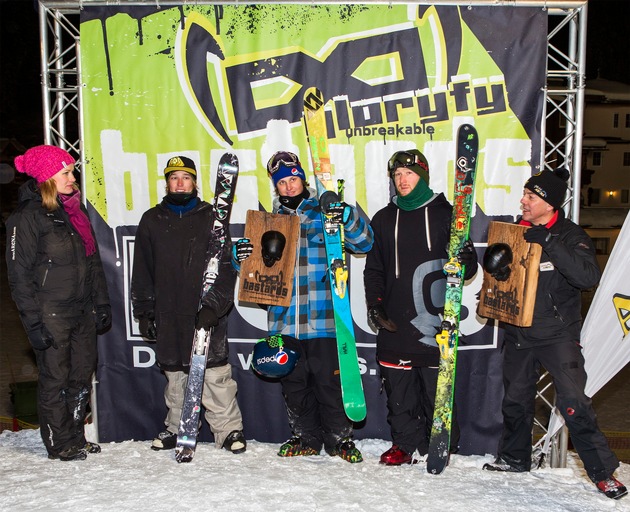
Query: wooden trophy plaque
point(259, 283)
point(512, 301)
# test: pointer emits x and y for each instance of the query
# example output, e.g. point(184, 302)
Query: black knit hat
point(550, 186)
point(180, 163)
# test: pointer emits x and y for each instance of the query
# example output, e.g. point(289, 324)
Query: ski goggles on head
point(414, 161)
point(406, 159)
point(282, 158)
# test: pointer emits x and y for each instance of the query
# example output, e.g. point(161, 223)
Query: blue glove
point(538, 235)
point(242, 249)
point(340, 213)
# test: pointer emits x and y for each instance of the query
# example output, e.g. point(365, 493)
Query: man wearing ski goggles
point(312, 391)
point(411, 236)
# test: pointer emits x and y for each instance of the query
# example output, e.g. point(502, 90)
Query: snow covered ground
point(130, 476)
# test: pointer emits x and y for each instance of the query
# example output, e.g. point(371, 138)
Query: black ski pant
point(65, 381)
point(312, 393)
point(565, 363)
point(410, 405)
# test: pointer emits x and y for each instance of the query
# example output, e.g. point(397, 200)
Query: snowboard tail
point(448, 338)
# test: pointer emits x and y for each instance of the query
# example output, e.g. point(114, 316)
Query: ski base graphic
point(227, 175)
point(448, 338)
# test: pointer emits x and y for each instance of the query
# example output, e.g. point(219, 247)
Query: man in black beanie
point(567, 266)
point(169, 262)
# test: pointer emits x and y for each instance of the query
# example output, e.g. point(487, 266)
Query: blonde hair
point(48, 190)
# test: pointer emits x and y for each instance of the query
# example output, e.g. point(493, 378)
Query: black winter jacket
point(169, 263)
point(404, 270)
point(568, 265)
point(48, 270)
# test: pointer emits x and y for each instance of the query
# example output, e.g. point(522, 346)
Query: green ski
point(351, 383)
point(448, 338)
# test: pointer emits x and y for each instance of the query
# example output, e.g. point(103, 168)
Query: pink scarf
point(72, 204)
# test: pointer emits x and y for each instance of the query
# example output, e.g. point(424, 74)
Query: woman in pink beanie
point(58, 284)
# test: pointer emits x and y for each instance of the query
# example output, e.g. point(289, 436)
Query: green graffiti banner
point(199, 80)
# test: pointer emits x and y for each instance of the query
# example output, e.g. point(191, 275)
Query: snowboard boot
point(346, 450)
point(295, 448)
point(165, 440)
point(396, 457)
point(72, 453)
point(501, 464)
point(612, 488)
point(91, 447)
point(235, 442)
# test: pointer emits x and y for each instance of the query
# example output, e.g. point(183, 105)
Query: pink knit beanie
point(43, 162)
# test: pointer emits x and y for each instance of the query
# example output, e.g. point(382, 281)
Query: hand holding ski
point(447, 339)
point(227, 175)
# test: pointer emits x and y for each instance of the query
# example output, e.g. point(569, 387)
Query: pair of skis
point(350, 374)
point(448, 338)
point(227, 175)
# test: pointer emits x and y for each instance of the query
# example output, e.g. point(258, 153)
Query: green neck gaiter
point(417, 197)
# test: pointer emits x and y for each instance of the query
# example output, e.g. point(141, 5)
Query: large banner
point(200, 80)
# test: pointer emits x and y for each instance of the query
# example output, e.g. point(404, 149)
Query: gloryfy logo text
point(358, 101)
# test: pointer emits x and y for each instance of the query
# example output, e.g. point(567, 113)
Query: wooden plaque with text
point(512, 301)
point(269, 285)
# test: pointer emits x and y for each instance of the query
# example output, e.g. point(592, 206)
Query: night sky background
point(608, 49)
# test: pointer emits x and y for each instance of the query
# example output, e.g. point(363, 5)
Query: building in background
point(606, 145)
point(605, 191)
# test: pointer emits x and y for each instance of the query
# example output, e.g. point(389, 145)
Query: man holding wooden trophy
point(534, 272)
point(284, 265)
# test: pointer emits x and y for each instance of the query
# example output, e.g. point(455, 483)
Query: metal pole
point(44, 72)
point(579, 112)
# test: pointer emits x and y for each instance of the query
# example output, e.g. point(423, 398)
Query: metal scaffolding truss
point(564, 103)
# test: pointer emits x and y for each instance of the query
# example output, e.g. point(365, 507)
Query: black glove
point(206, 318)
point(538, 235)
point(103, 317)
point(242, 249)
point(147, 326)
point(40, 337)
point(379, 318)
point(339, 213)
point(467, 256)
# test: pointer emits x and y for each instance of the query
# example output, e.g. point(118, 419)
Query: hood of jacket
point(29, 191)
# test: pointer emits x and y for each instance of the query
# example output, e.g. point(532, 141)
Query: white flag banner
point(605, 331)
point(604, 337)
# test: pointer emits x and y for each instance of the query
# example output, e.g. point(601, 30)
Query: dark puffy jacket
point(168, 267)
point(48, 271)
point(568, 265)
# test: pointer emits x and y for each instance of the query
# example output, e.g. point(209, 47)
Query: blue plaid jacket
point(310, 314)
